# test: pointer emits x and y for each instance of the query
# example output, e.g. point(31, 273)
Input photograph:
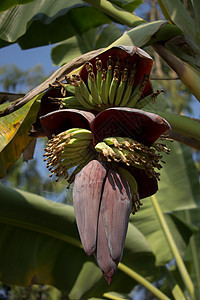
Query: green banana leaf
point(178, 190)
point(54, 20)
point(180, 16)
point(39, 218)
point(192, 255)
point(39, 243)
point(129, 5)
point(93, 39)
point(14, 133)
point(4, 5)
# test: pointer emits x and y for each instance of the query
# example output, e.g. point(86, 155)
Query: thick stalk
point(116, 12)
point(111, 296)
point(181, 124)
point(191, 142)
point(180, 264)
point(188, 75)
point(141, 280)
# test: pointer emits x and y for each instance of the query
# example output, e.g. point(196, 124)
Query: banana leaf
point(52, 19)
point(178, 190)
point(180, 16)
point(4, 5)
point(39, 243)
point(129, 5)
point(14, 137)
point(192, 255)
point(79, 44)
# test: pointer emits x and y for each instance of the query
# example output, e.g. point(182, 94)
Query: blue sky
point(26, 59)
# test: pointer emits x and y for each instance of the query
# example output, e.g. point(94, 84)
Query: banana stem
point(116, 12)
point(174, 286)
point(188, 75)
point(180, 264)
point(111, 296)
point(182, 124)
point(143, 282)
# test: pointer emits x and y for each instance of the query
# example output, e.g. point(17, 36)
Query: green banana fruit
point(137, 92)
point(114, 86)
point(99, 74)
point(93, 89)
point(105, 150)
point(68, 149)
point(140, 104)
point(72, 102)
point(106, 88)
point(81, 99)
point(121, 87)
point(133, 187)
point(128, 91)
point(104, 99)
point(108, 79)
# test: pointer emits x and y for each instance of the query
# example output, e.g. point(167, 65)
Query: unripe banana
point(140, 104)
point(131, 180)
point(99, 74)
point(108, 78)
point(72, 102)
point(104, 99)
point(105, 149)
point(128, 91)
point(111, 141)
point(133, 187)
point(114, 86)
point(121, 87)
point(80, 133)
point(81, 99)
point(93, 89)
point(138, 92)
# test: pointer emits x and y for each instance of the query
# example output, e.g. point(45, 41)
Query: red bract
point(127, 56)
point(117, 77)
point(112, 145)
point(103, 195)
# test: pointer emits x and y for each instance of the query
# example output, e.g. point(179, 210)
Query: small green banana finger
point(114, 86)
point(133, 187)
point(108, 79)
point(138, 92)
point(81, 99)
point(72, 102)
point(111, 141)
point(104, 99)
point(105, 150)
point(140, 104)
point(121, 87)
point(131, 180)
point(93, 89)
point(128, 91)
point(99, 74)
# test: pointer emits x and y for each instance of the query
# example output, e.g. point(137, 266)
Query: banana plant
point(115, 76)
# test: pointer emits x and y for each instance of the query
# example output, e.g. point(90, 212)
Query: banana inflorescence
point(111, 87)
point(133, 153)
point(71, 148)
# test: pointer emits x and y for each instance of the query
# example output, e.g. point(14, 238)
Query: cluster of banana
point(111, 87)
point(68, 149)
point(133, 153)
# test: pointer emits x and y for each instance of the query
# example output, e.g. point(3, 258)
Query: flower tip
point(108, 279)
point(109, 275)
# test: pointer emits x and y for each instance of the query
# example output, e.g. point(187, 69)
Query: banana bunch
point(68, 149)
point(133, 153)
point(111, 87)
